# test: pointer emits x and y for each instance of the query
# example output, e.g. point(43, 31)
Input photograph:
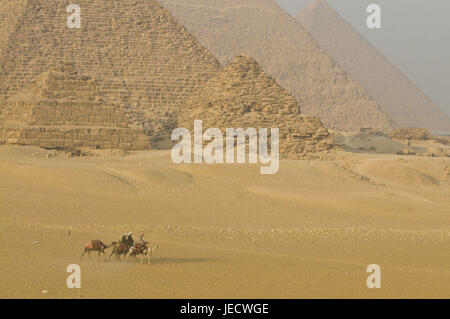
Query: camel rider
point(143, 243)
point(124, 238)
point(130, 241)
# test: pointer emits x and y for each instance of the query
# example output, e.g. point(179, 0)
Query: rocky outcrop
point(411, 133)
point(444, 140)
point(243, 96)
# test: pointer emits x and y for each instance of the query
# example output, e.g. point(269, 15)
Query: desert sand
point(225, 231)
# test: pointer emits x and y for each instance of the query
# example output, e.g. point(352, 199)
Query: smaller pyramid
point(242, 95)
point(61, 110)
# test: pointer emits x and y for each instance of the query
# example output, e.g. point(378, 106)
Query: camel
point(120, 249)
point(95, 245)
point(144, 250)
point(139, 249)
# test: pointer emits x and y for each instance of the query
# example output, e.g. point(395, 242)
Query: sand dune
point(225, 231)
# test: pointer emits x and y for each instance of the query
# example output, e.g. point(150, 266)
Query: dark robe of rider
point(130, 240)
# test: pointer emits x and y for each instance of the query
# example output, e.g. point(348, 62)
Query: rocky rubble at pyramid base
point(444, 140)
point(305, 138)
point(75, 138)
point(300, 137)
point(412, 133)
point(370, 131)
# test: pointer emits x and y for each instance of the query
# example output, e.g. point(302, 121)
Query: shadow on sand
point(160, 260)
point(177, 260)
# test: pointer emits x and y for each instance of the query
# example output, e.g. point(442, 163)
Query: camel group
point(120, 249)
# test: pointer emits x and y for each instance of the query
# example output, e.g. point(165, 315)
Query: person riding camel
point(130, 241)
point(139, 247)
point(124, 238)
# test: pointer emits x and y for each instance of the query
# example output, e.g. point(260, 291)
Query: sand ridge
point(308, 231)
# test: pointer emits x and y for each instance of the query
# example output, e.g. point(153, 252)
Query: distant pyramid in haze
point(241, 95)
point(262, 30)
point(395, 94)
point(136, 50)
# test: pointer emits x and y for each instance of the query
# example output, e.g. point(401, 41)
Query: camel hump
point(89, 245)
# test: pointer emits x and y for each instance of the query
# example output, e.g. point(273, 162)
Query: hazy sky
point(415, 36)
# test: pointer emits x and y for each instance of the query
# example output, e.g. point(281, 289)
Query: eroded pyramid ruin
point(395, 94)
point(286, 51)
point(241, 95)
point(63, 110)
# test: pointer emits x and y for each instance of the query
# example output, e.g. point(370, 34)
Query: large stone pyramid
point(396, 95)
point(262, 30)
point(243, 96)
point(136, 50)
point(63, 110)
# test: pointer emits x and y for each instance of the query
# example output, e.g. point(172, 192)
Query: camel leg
point(84, 252)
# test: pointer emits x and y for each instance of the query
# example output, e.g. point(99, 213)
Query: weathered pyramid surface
point(10, 13)
point(287, 52)
point(243, 96)
point(396, 95)
point(137, 49)
point(63, 110)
